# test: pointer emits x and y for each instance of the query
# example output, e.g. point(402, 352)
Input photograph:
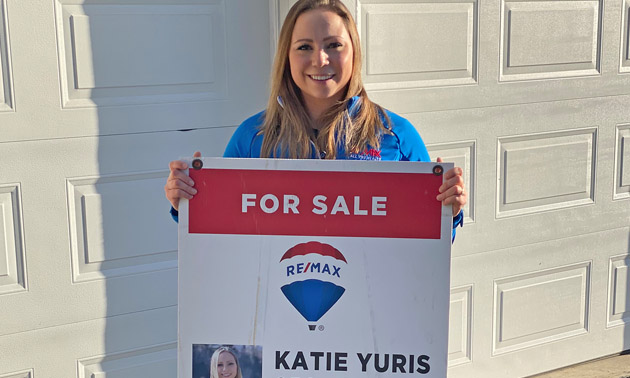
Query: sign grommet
point(197, 164)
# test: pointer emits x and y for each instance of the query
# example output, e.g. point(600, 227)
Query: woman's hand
point(179, 185)
point(452, 191)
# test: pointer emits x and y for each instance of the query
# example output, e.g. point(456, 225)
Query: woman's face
point(321, 58)
point(226, 365)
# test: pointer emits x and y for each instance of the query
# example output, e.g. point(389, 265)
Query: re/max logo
point(313, 268)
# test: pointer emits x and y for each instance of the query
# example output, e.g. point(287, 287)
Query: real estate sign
point(306, 268)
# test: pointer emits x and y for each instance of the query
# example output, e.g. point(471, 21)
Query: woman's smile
point(321, 77)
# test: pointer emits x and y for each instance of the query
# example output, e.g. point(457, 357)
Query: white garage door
point(532, 98)
point(92, 94)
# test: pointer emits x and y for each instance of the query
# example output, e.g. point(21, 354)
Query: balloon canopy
point(313, 297)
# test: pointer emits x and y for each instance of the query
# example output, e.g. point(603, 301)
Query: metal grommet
point(197, 164)
point(438, 170)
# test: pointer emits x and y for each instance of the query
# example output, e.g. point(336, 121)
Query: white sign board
point(308, 268)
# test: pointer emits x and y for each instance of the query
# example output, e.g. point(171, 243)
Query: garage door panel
point(625, 160)
point(540, 307)
point(22, 374)
point(435, 44)
point(624, 64)
point(106, 51)
point(546, 171)
point(113, 221)
point(96, 37)
point(6, 95)
point(622, 162)
point(618, 294)
point(550, 39)
point(12, 264)
point(460, 326)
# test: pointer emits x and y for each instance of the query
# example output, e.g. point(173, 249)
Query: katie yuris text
point(299, 361)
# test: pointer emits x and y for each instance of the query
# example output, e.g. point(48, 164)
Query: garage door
point(95, 100)
point(531, 98)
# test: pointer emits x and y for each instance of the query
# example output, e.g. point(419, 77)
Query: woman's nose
point(320, 59)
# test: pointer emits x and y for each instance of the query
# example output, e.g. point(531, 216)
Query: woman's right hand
point(179, 185)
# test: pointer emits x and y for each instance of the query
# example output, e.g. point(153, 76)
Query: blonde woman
point(224, 364)
point(319, 109)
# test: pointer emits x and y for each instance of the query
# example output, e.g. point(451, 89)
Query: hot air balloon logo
point(313, 273)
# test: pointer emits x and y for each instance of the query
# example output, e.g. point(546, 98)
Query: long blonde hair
point(214, 362)
point(288, 128)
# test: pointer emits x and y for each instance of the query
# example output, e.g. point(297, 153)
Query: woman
point(318, 107)
point(224, 364)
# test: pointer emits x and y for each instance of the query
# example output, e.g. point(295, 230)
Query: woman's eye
point(335, 45)
point(304, 47)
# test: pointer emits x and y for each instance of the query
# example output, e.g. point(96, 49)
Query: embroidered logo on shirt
point(367, 154)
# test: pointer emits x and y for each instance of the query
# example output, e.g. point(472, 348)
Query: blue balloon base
point(312, 298)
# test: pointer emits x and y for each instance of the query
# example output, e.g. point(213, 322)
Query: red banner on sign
point(315, 203)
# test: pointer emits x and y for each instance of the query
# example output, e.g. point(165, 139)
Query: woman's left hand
point(452, 191)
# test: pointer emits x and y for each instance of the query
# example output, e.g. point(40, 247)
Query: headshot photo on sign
point(227, 361)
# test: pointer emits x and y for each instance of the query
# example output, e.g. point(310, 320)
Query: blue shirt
point(402, 143)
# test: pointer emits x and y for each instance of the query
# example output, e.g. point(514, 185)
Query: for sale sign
point(304, 269)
